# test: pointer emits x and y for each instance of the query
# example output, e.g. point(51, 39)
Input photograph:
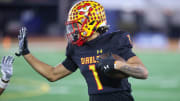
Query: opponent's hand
point(7, 67)
point(23, 43)
point(106, 63)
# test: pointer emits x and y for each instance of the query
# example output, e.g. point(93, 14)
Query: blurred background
point(155, 30)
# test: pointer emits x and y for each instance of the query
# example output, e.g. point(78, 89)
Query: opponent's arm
point(133, 67)
point(47, 71)
point(1, 90)
point(5, 83)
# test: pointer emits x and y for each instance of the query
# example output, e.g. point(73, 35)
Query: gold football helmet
point(85, 18)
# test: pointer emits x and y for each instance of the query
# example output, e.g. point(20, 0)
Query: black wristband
point(25, 52)
point(4, 81)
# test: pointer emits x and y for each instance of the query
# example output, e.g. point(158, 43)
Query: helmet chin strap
point(80, 42)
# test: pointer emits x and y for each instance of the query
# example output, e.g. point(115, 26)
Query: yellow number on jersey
point(96, 77)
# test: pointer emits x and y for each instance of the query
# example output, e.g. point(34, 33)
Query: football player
point(7, 71)
point(86, 25)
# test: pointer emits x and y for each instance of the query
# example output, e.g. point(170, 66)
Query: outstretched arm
point(47, 71)
point(133, 67)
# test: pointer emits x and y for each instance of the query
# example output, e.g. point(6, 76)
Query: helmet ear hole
point(102, 29)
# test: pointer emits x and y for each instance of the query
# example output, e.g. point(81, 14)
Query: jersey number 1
point(96, 77)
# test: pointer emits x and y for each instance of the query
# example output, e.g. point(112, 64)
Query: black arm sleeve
point(124, 46)
point(68, 62)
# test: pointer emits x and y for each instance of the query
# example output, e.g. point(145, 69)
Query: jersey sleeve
point(68, 62)
point(124, 46)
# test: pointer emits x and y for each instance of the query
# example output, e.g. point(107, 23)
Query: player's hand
point(7, 67)
point(23, 43)
point(106, 63)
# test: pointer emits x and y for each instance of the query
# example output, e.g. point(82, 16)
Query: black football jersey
point(84, 58)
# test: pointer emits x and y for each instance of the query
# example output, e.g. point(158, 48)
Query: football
point(115, 73)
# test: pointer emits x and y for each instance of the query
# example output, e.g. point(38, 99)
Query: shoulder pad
point(116, 33)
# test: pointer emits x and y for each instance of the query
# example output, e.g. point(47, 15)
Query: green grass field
point(163, 83)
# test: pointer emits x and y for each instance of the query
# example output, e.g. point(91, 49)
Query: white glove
point(7, 67)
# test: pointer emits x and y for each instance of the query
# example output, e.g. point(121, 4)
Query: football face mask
point(73, 33)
